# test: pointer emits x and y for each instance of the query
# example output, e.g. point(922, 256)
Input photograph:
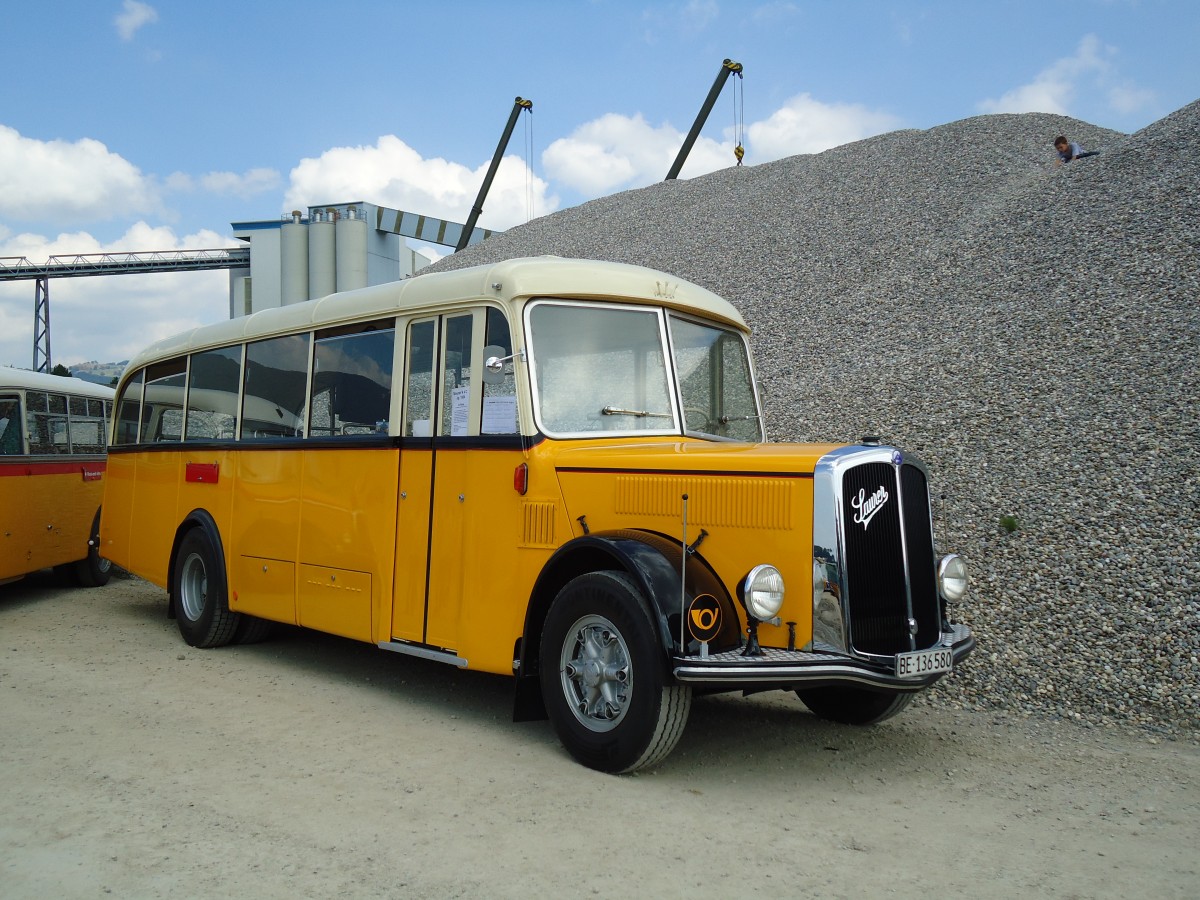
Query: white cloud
point(1129, 100)
point(667, 23)
point(392, 174)
point(109, 318)
point(618, 152)
point(697, 15)
point(1053, 89)
point(132, 17)
point(59, 180)
point(225, 184)
point(245, 184)
point(774, 11)
point(805, 125)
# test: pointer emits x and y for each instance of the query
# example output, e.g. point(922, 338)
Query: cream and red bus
point(52, 459)
point(549, 468)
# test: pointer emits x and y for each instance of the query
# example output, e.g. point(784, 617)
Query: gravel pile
point(1030, 331)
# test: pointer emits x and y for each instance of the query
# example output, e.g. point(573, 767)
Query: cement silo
point(293, 261)
point(351, 231)
point(322, 258)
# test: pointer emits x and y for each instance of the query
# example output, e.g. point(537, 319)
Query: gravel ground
point(310, 766)
point(1029, 330)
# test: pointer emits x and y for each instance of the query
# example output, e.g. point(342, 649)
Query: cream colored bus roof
point(40, 381)
point(511, 280)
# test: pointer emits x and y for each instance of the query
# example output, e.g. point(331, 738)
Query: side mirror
point(493, 364)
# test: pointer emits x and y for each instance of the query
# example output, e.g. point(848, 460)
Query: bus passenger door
point(457, 503)
point(458, 409)
point(416, 481)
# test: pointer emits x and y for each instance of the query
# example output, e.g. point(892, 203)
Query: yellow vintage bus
point(549, 468)
point(52, 459)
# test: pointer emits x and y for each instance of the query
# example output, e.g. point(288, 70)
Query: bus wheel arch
point(199, 598)
point(93, 570)
point(649, 560)
point(609, 695)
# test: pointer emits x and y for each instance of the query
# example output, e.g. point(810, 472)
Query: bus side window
point(500, 400)
point(11, 443)
point(162, 413)
point(46, 419)
point(276, 382)
point(213, 394)
point(456, 377)
point(352, 384)
point(418, 382)
point(87, 425)
point(129, 410)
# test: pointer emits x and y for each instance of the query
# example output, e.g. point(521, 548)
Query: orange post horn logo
point(704, 618)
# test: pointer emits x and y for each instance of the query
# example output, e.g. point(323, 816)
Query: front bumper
point(789, 669)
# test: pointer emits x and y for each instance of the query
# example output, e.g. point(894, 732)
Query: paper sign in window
point(460, 403)
point(499, 415)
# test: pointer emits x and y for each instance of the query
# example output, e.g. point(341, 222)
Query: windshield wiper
point(725, 420)
point(639, 413)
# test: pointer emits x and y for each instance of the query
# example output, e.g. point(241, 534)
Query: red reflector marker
point(521, 479)
point(203, 473)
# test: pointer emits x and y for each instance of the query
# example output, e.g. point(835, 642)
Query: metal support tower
point(41, 325)
point(18, 268)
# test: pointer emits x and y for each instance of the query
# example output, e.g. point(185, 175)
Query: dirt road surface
point(135, 766)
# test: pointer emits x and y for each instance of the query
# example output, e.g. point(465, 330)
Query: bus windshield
point(612, 369)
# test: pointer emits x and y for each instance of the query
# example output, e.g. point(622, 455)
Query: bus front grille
point(889, 561)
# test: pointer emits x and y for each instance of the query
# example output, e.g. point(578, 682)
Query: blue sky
point(128, 125)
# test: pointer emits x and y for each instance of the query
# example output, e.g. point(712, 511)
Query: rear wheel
point(198, 588)
point(253, 630)
point(93, 570)
point(854, 706)
point(603, 676)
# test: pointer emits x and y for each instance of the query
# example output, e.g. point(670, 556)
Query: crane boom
point(477, 210)
point(728, 68)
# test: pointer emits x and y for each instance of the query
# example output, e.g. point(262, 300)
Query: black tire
point(604, 677)
point(93, 570)
point(253, 630)
point(199, 593)
point(854, 706)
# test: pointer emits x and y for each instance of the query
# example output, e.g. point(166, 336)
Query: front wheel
point(198, 589)
point(854, 706)
point(604, 679)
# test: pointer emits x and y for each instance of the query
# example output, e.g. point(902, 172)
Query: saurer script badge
point(866, 507)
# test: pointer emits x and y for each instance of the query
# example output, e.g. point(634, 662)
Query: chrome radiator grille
point(889, 563)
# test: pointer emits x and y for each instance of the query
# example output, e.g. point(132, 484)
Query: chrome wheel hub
point(596, 674)
point(193, 587)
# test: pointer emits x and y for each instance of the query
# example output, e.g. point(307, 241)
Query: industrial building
point(331, 247)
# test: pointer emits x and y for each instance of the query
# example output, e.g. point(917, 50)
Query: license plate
point(924, 662)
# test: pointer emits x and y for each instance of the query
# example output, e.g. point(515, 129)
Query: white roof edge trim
point(23, 379)
point(506, 281)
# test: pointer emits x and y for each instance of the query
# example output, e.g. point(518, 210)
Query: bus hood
point(691, 455)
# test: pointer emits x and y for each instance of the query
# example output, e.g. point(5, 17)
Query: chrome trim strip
point(407, 649)
point(787, 667)
point(898, 474)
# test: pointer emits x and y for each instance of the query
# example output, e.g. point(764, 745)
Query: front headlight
point(952, 577)
point(763, 594)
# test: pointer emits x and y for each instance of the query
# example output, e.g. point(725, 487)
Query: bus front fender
point(652, 560)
